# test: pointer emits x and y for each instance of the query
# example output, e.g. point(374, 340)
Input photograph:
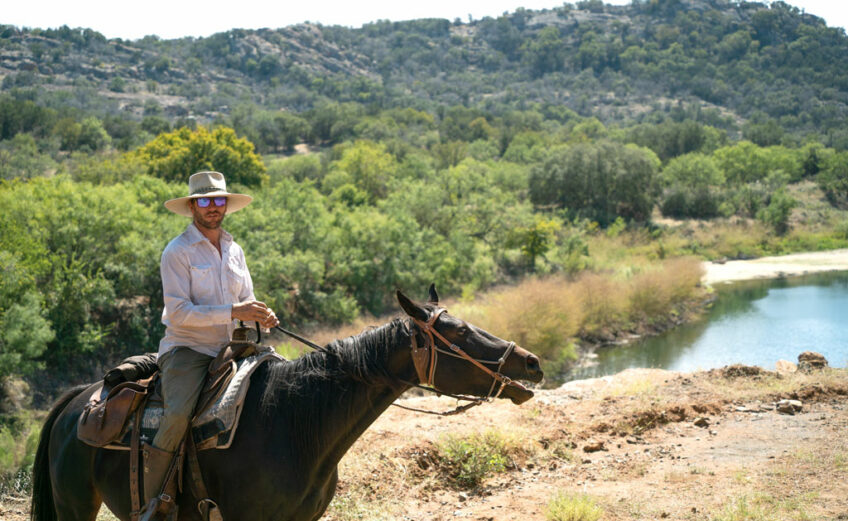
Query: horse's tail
point(42, 508)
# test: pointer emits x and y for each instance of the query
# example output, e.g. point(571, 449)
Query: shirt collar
point(194, 236)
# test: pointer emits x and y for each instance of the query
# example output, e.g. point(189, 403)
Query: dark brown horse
point(299, 419)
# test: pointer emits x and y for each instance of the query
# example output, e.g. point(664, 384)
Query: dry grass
point(548, 315)
point(604, 301)
point(542, 315)
point(772, 386)
point(638, 389)
point(653, 294)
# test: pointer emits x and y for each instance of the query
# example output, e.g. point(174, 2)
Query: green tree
point(537, 239)
point(694, 170)
point(24, 330)
point(89, 258)
point(20, 157)
point(24, 336)
point(92, 136)
point(693, 182)
point(833, 179)
point(598, 181)
point(292, 129)
point(174, 156)
point(367, 166)
point(777, 213)
point(545, 53)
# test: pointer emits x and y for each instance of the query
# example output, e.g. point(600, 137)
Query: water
point(752, 323)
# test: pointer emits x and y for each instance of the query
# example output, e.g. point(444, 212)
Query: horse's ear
point(434, 297)
point(411, 308)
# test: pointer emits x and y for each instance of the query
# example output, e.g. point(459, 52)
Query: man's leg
point(183, 373)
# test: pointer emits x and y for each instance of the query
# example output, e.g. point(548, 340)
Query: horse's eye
point(462, 331)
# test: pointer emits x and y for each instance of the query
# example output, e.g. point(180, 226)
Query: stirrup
point(159, 508)
point(209, 510)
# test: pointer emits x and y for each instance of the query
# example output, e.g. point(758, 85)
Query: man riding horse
point(206, 287)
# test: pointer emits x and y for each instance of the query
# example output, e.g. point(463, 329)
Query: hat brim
point(235, 202)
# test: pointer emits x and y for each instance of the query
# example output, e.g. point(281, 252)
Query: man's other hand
point(255, 311)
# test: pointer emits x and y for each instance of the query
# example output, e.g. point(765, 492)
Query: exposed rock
point(809, 361)
point(701, 422)
point(785, 367)
point(740, 370)
point(593, 446)
point(789, 406)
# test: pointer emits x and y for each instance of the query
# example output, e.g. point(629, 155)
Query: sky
point(177, 18)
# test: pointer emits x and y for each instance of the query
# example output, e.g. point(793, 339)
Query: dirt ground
point(661, 445)
point(643, 444)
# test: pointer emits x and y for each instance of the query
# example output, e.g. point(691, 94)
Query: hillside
point(728, 62)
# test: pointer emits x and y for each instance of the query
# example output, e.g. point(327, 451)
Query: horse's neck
point(355, 402)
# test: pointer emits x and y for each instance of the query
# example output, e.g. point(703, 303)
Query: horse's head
point(458, 358)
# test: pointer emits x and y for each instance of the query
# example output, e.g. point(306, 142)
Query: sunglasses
point(204, 202)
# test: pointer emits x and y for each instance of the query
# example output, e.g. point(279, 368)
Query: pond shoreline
point(722, 272)
point(716, 273)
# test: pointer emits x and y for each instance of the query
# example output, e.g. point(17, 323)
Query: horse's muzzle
point(532, 372)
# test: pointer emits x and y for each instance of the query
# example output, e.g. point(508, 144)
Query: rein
point(426, 356)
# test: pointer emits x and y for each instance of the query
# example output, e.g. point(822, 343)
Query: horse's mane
point(359, 358)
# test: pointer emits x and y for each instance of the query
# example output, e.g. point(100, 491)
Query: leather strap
point(135, 491)
point(429, 329)
point(207, 508)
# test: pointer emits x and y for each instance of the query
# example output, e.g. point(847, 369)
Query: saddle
point(107, 420)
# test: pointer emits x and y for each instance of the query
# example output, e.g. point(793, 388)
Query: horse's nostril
point(533, 364)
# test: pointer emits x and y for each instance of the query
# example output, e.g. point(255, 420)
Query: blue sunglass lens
point(203, 202)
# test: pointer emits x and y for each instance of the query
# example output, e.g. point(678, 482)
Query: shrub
point(776, 214)
point(697, 203)
point(469, 460)
point(573, 507)
point(841, 231)
point(18, 442)
point(833, 179)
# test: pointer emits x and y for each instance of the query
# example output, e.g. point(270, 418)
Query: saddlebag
point(103, 419)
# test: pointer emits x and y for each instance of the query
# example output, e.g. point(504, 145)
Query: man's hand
point(255, 311)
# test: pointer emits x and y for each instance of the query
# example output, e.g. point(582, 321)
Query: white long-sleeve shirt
point(200, 288)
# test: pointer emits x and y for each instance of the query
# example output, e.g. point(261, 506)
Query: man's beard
point(206, 222)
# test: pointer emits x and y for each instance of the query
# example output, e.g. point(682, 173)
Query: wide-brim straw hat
point(207, 184)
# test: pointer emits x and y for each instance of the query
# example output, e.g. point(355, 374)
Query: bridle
point(425, 357)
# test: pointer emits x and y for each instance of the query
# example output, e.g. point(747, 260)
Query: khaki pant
point(183, 372)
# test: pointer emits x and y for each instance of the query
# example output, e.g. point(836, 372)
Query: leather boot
point(158, 495)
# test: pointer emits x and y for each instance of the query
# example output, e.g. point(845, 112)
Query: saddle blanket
point(213, 428)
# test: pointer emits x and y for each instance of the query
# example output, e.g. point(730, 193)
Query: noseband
point(425, 357)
